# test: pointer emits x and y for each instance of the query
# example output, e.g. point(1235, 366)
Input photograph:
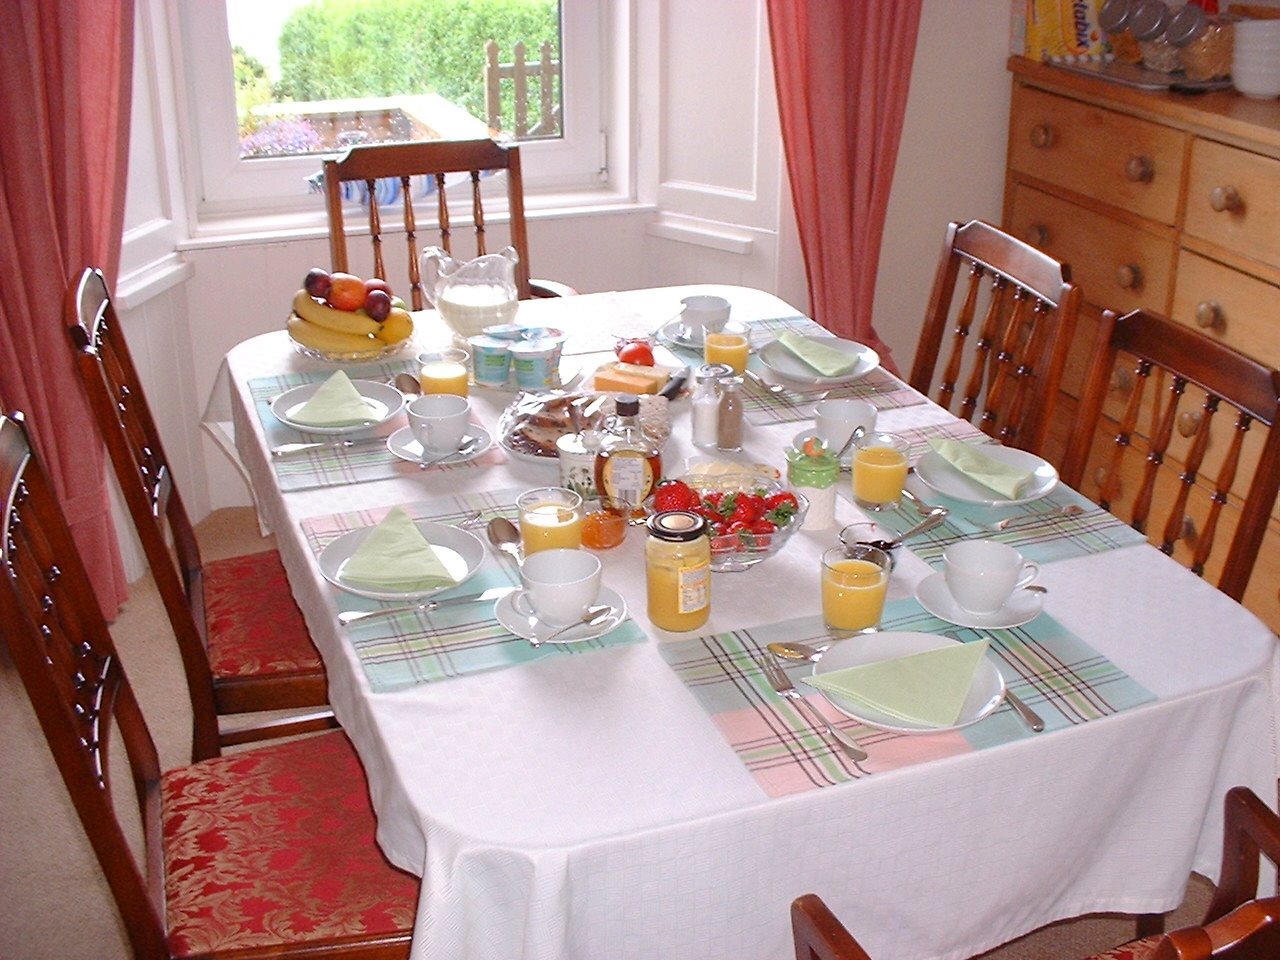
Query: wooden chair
point(1237, 925)
point(1200, 448)
point(268, 852)
point(1011, 359)
point(245, 647)
point(436, 159)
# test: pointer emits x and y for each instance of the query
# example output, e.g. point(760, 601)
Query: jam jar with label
point(678, 570)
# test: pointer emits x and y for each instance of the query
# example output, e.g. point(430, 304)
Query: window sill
point(226, 230)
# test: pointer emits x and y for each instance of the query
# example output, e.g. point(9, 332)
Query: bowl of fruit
point(749, 518)
point(340, 318)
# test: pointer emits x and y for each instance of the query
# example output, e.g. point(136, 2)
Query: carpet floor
point(55, 901)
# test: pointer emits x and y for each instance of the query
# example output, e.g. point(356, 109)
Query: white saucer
point(404, 446)
point(1023, 607)
point(384, 402)
point(521, 626)
point(673, 333)
point(459, 550)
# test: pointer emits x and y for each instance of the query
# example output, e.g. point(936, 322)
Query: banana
point(340, 321)
point(330, 341)
point(398, 326)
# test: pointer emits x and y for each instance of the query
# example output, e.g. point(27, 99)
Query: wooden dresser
point(1159, 200)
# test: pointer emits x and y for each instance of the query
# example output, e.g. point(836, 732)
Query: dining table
point(647, 794)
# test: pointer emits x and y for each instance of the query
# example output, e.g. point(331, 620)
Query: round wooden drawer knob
point(1043, 136)
point(1209, 315)
point(1189, 422)
point(1225, 199)
point(1129, 276)
point(1037, 235)
point(1140, 169)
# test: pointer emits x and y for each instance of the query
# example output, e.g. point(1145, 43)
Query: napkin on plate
point(927, 688)
point(1005, 479)
point(825, 360)
point(337, 403)
point(396, 556)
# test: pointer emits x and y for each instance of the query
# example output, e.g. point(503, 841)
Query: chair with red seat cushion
point(244, 644)
point(265, 852)
point(1237, 924)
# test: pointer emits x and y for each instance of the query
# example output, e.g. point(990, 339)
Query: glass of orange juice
point(855, 580)
point(550, 517)
point(879, 470)
point(730, 348)
point(444, 371)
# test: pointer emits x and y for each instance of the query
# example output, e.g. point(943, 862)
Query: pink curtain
point(65, 78)
point(842, 69)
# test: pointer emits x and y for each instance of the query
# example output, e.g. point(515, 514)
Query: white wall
point(709, 183)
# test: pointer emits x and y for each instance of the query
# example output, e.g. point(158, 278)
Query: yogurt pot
point(536, 363)
point(490, 360)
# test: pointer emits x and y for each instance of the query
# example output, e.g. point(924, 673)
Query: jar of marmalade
point(678, 570)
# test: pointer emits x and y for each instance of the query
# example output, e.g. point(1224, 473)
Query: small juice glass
point(879, 470)
point(444, 371)
point(731, 348)
point(855, 581)
point(550, 517)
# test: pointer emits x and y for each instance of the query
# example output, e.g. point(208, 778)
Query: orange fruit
point(346, 292)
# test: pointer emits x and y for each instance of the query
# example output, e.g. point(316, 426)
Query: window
point(275, 84)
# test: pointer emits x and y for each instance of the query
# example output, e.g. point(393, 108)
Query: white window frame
point(224, 185)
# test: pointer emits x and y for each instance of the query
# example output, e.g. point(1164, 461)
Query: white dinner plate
point(1023, 606)
point(384, 402)
point(460, 551)
point(528, 627)
point(985, 695)
point(790, 367)
point(674, 334)
point(403, 445)
point(941, 477)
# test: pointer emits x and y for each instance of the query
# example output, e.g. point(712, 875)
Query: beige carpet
point(55, 902)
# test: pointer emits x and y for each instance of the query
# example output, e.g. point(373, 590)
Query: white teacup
point(704, 314)
point(559, 585)
point(439, 421)
point(982, 574)
point(835, 420)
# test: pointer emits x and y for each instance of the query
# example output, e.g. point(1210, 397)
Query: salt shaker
point(706, 403)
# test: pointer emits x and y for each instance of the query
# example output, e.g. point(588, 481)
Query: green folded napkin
point(396, 555)
point(927, 688)
point(337, 403)
point(1005, 479)
point(825, 360)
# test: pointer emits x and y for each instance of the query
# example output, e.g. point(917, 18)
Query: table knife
point(287, 449)
point(493, 593)
point(671, 389)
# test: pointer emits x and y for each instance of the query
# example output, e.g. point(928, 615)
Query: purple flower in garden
point(279, 138)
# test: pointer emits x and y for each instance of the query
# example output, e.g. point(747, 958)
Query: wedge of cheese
point(621, 377)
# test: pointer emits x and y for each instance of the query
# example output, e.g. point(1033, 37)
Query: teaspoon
point(795, 650)
point(505, 536)
point(407, 384)
point(934, 517)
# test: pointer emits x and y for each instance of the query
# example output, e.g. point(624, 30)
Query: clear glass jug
point(471, 294)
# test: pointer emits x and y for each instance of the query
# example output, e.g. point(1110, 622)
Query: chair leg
point(1150, 924)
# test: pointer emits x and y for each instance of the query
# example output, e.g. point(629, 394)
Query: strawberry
point(674, 495)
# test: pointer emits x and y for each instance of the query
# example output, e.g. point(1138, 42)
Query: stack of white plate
point(1255, 59)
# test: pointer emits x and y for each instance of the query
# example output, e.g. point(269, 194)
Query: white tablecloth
point(585, 807)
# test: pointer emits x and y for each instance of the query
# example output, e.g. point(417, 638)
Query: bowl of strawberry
point(748, 520)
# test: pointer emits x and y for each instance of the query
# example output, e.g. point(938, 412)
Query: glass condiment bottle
point(706, 403)
point(628, 463)
point(1205, 43)
point(729, 419)
point(677, 556)
point(814, 472)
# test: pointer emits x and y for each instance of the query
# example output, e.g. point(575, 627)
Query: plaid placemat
point(406, 649)
point(366, 459)
point(1058, 675)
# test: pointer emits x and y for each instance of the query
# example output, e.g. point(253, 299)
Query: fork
point(783, 686)
point(1069, 510)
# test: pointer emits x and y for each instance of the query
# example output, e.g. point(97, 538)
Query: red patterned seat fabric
point(276, 845)
point(255, 628)
point(1133, 950)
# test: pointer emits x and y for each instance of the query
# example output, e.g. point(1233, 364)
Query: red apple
point(377, 304)
point(377, 283)
point(317, 282)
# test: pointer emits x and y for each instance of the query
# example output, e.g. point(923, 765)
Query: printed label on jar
point(627, 477)
point(694, 587)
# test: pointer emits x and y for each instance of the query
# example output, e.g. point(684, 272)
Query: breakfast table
point(647, 794)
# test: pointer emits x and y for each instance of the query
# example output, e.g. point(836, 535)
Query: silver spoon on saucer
point(591, 617)
point(467, 445)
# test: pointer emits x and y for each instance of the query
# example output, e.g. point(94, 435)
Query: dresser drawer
point(1119, 160)
point(1116, 266)
point(1233, 200)
point(1239, 310)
